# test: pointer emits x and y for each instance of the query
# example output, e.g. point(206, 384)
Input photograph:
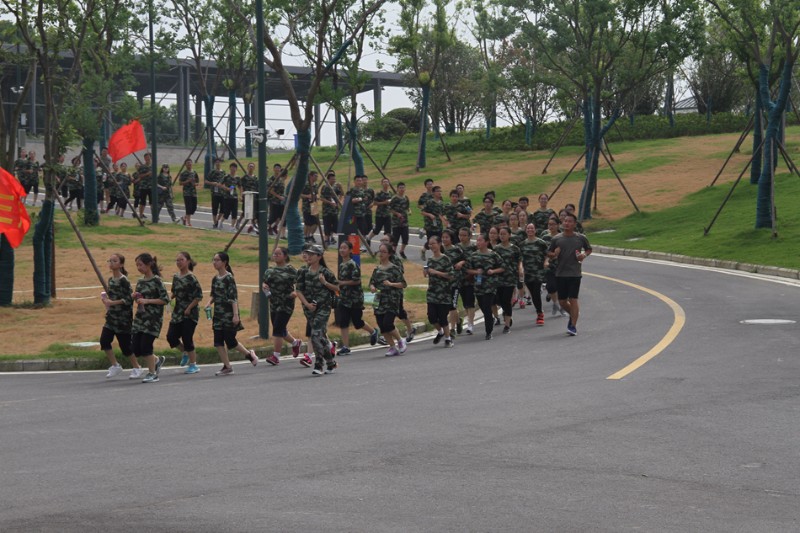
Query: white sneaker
point(114, 370)
point(402, 346)
point(136, 373)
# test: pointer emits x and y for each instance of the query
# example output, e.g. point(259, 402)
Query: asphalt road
point(521, 433)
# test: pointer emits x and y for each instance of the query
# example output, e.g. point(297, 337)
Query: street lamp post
point(154, 149)
point(263, 225)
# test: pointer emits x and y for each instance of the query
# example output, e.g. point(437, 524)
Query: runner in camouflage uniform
point(119, 317)
point(351, 299)
point(457, 213)
point(509, 278)
point(331, 194)
point(214, 182)
point(309, 206)
point(165, 192)
point(388, 282)
point(383, 219)
point(535, 263)
point(433, 215)
point(124, 189)
point(278, 282)
point(543, 214)
point(467, 287)
point(399, 208)
point(359, 199)
point(150, 297)
point(188, 294)
point(226, 321)
point(486, 266)
point(230, 194)
point(439, 271)
point(487, 217)
point(457, 258)
point(316, 285)
point(189, 180)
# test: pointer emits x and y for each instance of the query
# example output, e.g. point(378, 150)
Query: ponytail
point(192, 262)
point(151, 261)
point(225, 258)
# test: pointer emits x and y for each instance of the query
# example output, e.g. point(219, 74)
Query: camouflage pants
point(166, 200)
point(317, 329)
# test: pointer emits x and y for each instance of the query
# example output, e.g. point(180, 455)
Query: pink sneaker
point(306, 361)
point(253, 357)
point(296, 348)
point(522, 303)
point(272, 360)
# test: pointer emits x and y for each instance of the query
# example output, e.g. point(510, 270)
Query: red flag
point(14, 219)
point(126, 140)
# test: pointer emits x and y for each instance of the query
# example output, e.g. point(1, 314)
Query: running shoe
point(514, 302)
point(114, 370)
point(306, 360)
point(382, 341)
point(331, 368)
point(296, 348)
point(547, 298)
point(460, 326)
point(438, 338)
point(317, 371)
point(571, 330)
point(150, 378)
point(159, 363)
point(468, 329)
point(540, 319)
point(136, 373)
point(224, 371)
point(522, 303)
point(506, 329)
point(528, 300)
point(272, 359)
point(497, 321)
point(344, 350)
point(392, 352)
point(373, 338)
point(448, 343)
point(403, 255)
point(489, 336)
point(563, 313)
point(252, 357)
point(555, 309)
point(410, 336)
point(192, 369)
point(184, 359)
point(402, 346)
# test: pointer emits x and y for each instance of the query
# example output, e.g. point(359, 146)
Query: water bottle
point(425, 269)
point(479, 279)
point(208, 312)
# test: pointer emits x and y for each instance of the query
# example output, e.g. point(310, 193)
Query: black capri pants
point(438, 314)
point(385, 322)
point(142, 344)
point(225, 337)
point(144, 196)
point(190, 204)
point(383, 223)
point(182, 332)
point(400, 234)
point(330, 222)
point(216, 204)
point(504, 295)
point(535, 288)
point(468, 296)
point(347, 315)
point(280, 321)
point(485, 302)
point(124, 340)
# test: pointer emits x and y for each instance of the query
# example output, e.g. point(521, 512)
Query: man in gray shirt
point(569, 249)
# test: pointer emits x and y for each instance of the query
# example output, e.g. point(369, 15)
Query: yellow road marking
point(666, 340)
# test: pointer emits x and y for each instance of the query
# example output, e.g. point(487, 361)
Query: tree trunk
point(423, 126)
point(211, 151)
point(232, 123)
point(593, 156)
point(42, 238)
point(6, 272)
point(294, 224)
point(90, 192)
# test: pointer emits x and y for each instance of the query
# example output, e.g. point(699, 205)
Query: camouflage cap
point(315, 249)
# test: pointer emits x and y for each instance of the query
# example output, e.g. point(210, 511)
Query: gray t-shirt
point(568, 265)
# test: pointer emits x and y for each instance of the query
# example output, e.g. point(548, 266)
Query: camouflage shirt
point(399, 204)
point(150, 317)
point(423, 199)
point(308, 283)
point(382, 196)
point(451, 213)
point(230, 184)
point(468, 250)
point(124, 180)
point(224, 293)
point(359, 208)
point(214, 181)
point(351, 296)
point(164, 180)
point(533, 255)
point(540, 218)
point(281, 285)
point(436, 209)
point(278, 189)
point(330, 194)
point(485, 221)
point(485, 261)
point(309, 190)
point(518, 236)
point(387, 299)
point(189, 180)
point(440, 290)
point(185, 290)
point(249, 183)
point(511, 257)
point(119, 318)
point(456, 255)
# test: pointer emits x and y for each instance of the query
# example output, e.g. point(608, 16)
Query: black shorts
point(280, 321)
point(550, 282)
point(275, 213)
point(216, 204)
point(330, 222)
point(344, 316)
point(438, 313)
point(230, 208)
point(310, 220)
point(144, 196)
point(124, 340)
point(142, 344)
point(383, 224)
point(182, 332)
point(225, 337)
point(400, 234)
point(362, 224)
point(385, 322)
point(467, 293)
point(568, 288)
point(190, 203)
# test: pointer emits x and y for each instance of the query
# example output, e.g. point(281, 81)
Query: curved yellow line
point(677, 325)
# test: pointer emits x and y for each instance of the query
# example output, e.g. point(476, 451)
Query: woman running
point(456, 255)
point(188, 294)
point(535, 264)
point(485, 265)
point(119, 317)
point(388, 282)
point(351, 299)
point(542, 215)
point(278, 285)
point(553, 229)
point(150, 297)
point(439, 271)
point(225, 299)
point(507, 281)
point(494, 240)
point(315, 287)
point(467, 287)
point(518, 236)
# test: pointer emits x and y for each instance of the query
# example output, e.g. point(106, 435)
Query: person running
point(310, 206)
point(278, 285)
point(144, 179)
point(411, 330)
point(189, 180)
point(551, 288)
point(383, 218)
point(387, 282)
point(124, 181)
point(359, 199)
point(423, 199)
point(439, 271)
point(433, 214)
point(331, 195)
point(188, 294)
point(277, 200)
point(399, 209)
point(485, 265)
point(150, 297)
point(119, 317)
point(534, 263)
point(457, 258)
point(164, 183)
point(487, 217)
point(315, 287)
point(507, 281)
point(214, 182)
point(457, 213)
point(230, 191)
point(467, 286)
point(494, 240)
point(351, 299)
point(570, 248)
point(226, 319)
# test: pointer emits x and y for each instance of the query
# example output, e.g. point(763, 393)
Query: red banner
point(126, 140)
point(14, 219)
